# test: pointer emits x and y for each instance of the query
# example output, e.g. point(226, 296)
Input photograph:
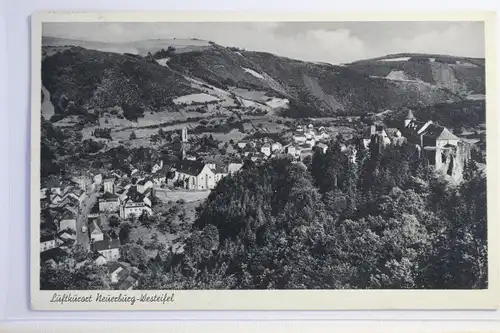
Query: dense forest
point(385, 222)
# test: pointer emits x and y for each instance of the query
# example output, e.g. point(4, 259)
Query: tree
point(67, 276)
point(114, 221)
point(124, 233)
point(132, 136)
point(134, 254)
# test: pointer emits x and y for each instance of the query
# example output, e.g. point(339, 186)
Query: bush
point(114, 221)
point(134, 254)
point(132, 112)
point(104, 133)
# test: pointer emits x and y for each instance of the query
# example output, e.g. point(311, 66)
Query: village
point(86, 207)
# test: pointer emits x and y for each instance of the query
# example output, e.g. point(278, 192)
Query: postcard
point(264, 161)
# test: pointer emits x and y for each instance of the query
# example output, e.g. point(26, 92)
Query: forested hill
point(386, 223)
point(86, 80)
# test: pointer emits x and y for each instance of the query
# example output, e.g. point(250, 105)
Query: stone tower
point(184, 135)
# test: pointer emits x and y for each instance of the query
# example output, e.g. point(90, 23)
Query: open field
point(188, 196)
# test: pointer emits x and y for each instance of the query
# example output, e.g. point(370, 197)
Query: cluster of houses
point(55, 250)
point(304, 141)
point(66, 198)
point(67, 195)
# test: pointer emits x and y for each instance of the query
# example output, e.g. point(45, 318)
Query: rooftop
point(108, 196)
point(410, 115)
point(95, 208)
point(219, 169)
point(56, 254)
point(106, 244)
point(439, 132)
point(114, 266)
point(192, 168)
point(46, 238)
point(94, 226)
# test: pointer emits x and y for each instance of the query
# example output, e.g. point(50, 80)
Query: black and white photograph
point(263, 156)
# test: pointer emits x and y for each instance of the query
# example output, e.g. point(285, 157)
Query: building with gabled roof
point(67, 223)
point(234, 167)
point(443, 149)
point(195, 175)
point(94, 211)
point(47, 242)
point(375, 133)
point(266, 149)
point(95, 231)
point(144, 184)
point(109, 202)
point(109, 248)
point(53, 256)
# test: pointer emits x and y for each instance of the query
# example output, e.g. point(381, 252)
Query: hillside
point(458, 74)
point(81, 80)
point(147, 79)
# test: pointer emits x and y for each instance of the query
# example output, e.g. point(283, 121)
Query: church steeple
point(409, 118)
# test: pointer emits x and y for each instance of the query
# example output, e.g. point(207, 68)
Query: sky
point(333, 42)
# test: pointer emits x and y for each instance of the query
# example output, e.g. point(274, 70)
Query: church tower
point(184, 135)
point(409, 118)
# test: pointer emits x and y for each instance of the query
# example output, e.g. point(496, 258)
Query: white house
point(322, 135)
point(67, 235)
point(108, 248)
point(234, 167)
point(67, 224)
point(311, 142)
point(95, 232)
point(100, 260)
point(97, 179)
point(55, 199)
point(195, 175)
point(322, 147)
point(157, 167)
point(135, 207)
point(299, 138)
point(109, 185)
point(219, 172)
point(276, 146)
point(47, 243)
point(121, 277)
point(242, 144)
point(291, 149)
point(82, 181)
point(266, 149)
point(116, 272)
point(109, 202)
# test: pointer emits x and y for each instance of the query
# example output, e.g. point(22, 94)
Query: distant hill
point(460, 75)
point(140, 47)
point(98, 75)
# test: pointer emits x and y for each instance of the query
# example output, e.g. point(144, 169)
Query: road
point(82, 238)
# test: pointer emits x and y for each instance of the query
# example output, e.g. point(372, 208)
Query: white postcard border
point(275, 299)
